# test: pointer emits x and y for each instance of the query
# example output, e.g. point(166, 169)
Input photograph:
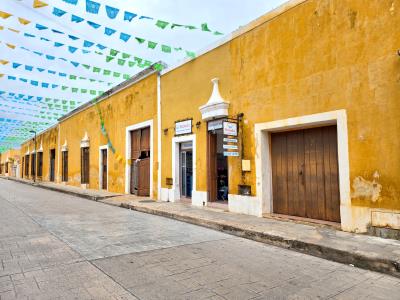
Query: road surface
point(56, 246)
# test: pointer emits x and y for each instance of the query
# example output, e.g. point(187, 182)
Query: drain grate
point(146, 201)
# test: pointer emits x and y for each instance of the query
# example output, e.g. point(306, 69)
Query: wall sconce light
point(165, 131)
point(198, 124)
point(240, 116)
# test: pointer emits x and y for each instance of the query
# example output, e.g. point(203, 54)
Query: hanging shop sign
point(215, 125)
point(230, 147)
point(230, 128)
point(183, 127)
point(235, 154)
point(228, 140)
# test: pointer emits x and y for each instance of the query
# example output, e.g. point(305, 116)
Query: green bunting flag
point(162, 24)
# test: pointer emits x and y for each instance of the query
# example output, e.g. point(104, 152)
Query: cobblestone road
point(55, 246)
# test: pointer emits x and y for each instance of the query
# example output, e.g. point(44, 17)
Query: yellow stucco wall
point(132, 105)
point(45, 141)
point(319, 56)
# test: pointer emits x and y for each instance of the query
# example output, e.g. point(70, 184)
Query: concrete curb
point(55, 189)
point(386, 266)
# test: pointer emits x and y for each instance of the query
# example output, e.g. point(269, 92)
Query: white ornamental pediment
point(216, 107)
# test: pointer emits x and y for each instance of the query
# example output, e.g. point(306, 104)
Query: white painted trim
point(247, 205)
point(144, 124)
point(101, 166)
point(159, 150)
point(263, 157)
point(176, 190)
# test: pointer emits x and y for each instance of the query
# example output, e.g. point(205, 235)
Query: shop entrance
point(186, 169)
point(218, 187)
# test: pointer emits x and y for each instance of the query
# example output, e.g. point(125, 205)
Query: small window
point(85, 165)
point(65, 166)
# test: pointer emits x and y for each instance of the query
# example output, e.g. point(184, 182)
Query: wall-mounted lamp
point(198, 124)
point(165, 131)
point(240, 116)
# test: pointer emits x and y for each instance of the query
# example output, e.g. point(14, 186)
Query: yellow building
point(313, 89)
point(10, 163)
point(43, 166)
point(104, 157)
point(296, 115)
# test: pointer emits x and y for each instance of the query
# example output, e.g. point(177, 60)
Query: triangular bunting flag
point(23, 21)
point(4, 15)
point(38, 4)
point(162, 24)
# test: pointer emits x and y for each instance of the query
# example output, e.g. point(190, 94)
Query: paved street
point(54, 246)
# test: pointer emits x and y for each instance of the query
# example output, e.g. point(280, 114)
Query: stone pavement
point(55, 246)
point(372, 253)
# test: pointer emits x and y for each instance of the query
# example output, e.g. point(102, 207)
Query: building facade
point(10, 163)
point(295, 115)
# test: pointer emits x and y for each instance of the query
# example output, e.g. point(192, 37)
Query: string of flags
point(112, 13)
point(41, 112)
point(107, 31)
point(94, 69)
point(48, 85)
point(30, 68)
point(53, 103)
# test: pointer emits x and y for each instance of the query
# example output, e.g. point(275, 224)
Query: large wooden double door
point(305, 173)
point(140, 162)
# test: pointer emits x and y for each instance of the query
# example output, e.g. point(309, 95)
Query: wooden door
point(65, 166)
point(140, 171)
point(212, 167)
point(85, 165)
point(305, 173)
point(26, 166)
point(145, 139)
point(52, 163)
point(144, 177)
point(104, 168)
point(135, 144)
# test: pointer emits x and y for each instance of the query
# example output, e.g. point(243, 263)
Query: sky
point(54, 59)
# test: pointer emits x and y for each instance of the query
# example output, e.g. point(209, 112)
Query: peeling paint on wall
point(363, 188)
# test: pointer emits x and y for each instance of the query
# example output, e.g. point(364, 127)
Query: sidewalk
point(368, 252)
point(94, 195)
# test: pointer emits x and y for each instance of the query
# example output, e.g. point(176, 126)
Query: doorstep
point(363, 251)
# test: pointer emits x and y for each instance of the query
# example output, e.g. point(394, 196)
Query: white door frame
point(128, 129)
point(104, 147)
point(263, 157)
point(176, 174)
